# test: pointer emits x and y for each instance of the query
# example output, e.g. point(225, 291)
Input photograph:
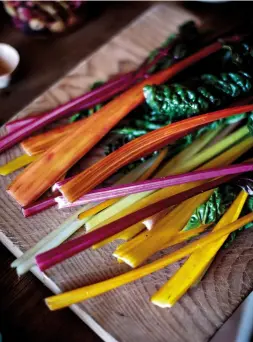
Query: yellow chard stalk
point(152, 220)
point(126, 235)
point(182, 236)
point(135, 202)
point(198, 262)
point(187, 160)
point(16, 164)
point(163, 232)
point(141, 172)
point(86, 292)
point(188, 152)
point(147, 169)
point(129, 245)
point(114, 207)
point(158, 159)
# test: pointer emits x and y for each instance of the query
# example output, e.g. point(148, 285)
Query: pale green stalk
point(59, 237)
point(107, 215)
point(70, 226)
point(189, 151)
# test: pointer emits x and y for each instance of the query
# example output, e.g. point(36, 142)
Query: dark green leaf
point(212, 210)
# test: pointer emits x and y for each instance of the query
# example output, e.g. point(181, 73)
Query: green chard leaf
point(207, 92)
point(250, 123)
point(212, 210)
point(177, 102)
point(141, 120)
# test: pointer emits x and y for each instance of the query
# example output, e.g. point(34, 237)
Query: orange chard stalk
point(42, 142)
point(139, 147)
point(144, 176)
point(43, 173)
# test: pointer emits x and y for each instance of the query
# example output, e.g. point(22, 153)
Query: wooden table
point(23, 313)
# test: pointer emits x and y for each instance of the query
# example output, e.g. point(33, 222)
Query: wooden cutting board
point(126, 314)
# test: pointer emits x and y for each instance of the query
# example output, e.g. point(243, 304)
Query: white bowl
point(9, 60)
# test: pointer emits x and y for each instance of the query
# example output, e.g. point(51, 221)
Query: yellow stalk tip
point(164, 231)
point(16, 164)
point(74, 296)
point(199, 261)
point(162, 304)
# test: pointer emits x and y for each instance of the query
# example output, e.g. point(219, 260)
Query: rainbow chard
point(175, 48)
point(142, 146)
point(166, 104)
point(161, 183)
point(170, 103)
point(72, 247)
point(86, 292)
point(56, 161)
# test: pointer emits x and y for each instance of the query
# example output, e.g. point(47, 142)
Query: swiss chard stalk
point(135, 202)
point(16, 164)
point(141, 172)
point(14, 125)
point(51, 240)
point(246, 185)
point(71, 248)
point(198, 261)
point(170, 103)
point(98, 172)
point(155, 184)
point(175, 49)
point(55, 162)
point(173, 195)
point(40, 143)
point(39, 206)
point(165, 229)
point(86, 292)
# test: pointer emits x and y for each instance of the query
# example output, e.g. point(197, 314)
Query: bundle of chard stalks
point(176, 137)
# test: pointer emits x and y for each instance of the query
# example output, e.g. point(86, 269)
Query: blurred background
point(51, 39)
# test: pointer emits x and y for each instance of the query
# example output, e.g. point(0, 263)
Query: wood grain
point(126, 314)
